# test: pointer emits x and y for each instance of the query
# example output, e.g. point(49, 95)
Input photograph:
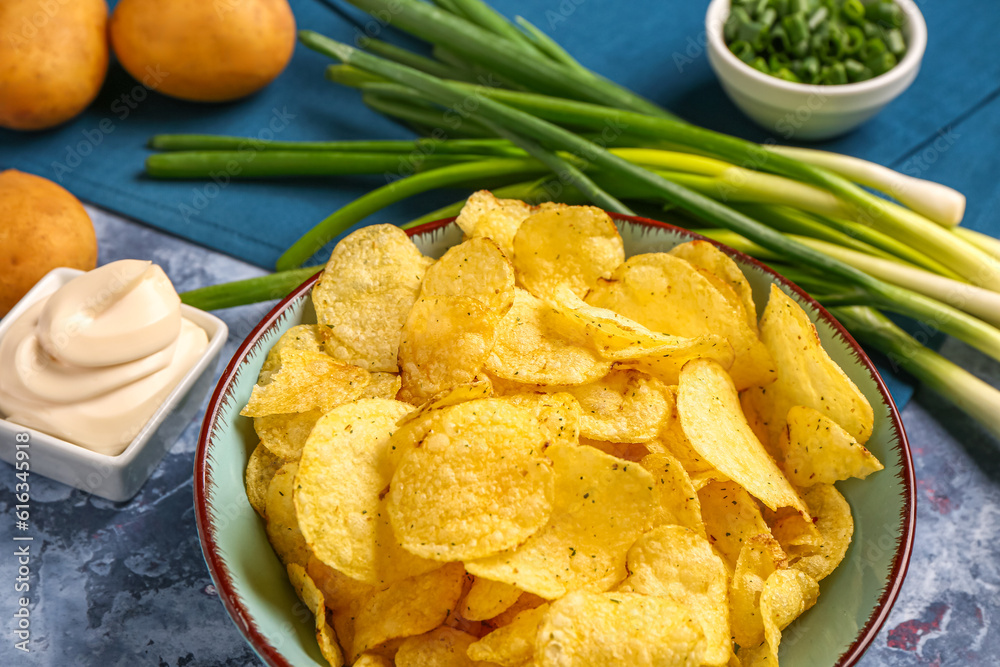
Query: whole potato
point(44, 227)
point(202, 50)
point(53, 59)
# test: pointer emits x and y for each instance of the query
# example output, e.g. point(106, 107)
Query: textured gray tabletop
point(124, 584)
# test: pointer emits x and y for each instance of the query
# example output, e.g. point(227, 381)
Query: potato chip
point(835, 524)
point(731, 518)
point(586, 628)
point(601, 505)
point(339, 495)
point(282, 525)
point(706, 256)
point(382, 385)
point(806, 373)
point(512, 645)
point(426, 366)
point(713, 421)
point(571, 246)
point(261, 469)
point(786, 595)
point(753, 410)
point(339, 590)
point(306, 381)
point(557, 415)
point(307, 591)
point(623, 406)
point(676, 443)
point(472, 492)
point(372, 660)
point(304, 337)
point(819, 451)
point(628, 451)
point(485, 599)
point(667, 294)
point(406, 608)
point(529, 350)
point(443, 647)
point(284, 435)
point(676, 498)
point(365, 293)
point(485, 216)
point(476, 268)
point(678, 564)
point(760, 556)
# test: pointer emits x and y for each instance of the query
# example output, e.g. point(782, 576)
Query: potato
point(44, 226)
point(53, 58)
point(203, 51)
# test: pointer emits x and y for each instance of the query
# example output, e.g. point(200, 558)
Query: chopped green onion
point(252, 290)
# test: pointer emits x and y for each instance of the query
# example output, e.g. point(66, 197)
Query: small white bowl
point(113, 477)
point(805, 111)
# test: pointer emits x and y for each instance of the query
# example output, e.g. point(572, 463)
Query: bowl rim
point(270, 655)
point(916, 24)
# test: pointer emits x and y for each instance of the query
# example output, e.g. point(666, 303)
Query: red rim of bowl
point(241, 616)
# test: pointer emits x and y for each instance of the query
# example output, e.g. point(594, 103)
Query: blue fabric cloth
point(944, 128)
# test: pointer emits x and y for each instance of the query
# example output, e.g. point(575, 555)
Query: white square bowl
point(118, 477)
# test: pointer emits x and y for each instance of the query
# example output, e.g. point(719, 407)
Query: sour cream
point(93, 361)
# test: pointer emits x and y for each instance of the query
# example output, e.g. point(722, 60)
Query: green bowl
point(855, 600)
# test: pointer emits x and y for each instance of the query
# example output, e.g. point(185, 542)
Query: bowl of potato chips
point(547, 436)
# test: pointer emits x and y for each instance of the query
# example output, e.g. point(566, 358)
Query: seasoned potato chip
point(601, 505)
point(759, 558)
point(629, 451)
point(571, 246)
point(678, 564)
point(261, 469)
point(819, 451)
point(476, 268)
point(618, 629)
point(485, 599)
point(382, 385)
point(529, 350)
point(426, 366)
point(806, 373)
point(558, 415)
point(443, 647)
point(667, 294)
point(365, 293)
point(512, 645)
point(713, 421)
point(346, 522)
point(472, 492)
point(372, 660)
point(676, 498)
point(731, 518)
point(753, 410)
point(485, 216)
point(339, 590)
point(306, 381)
point(307, 591)
point(524, 603)
point(835, 524)
point(704, 255)
point(304, 337)
point(284, 435)
point(282, 525)
point(673, 441)
point(786, 595)
point(623, 406)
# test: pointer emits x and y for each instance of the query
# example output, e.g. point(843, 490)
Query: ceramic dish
point(855, 599)
point(115, 477)
point(803, 111)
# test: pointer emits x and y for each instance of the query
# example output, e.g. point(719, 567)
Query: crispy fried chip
point(261, 469)
point(306, 381)
point(306, 337)
point(512, 645)
point(529, 350)
point(676, 498)
point(382, 385)
point(713, 421)
point(623, 406)
point(339, 590)
point(284, 435)
point(472, 492)
point(759, 558)
point(835, 524)
point(601, 505)
point(307, 591)
point(819, 451)
point(786, 595)
point(678, 564)
point(806, 373)
point(407, 608)
point(705, 256)
point(476, 268)
point(558, 415)
point(282, 525)
point(368, 287)
point(731, 518)
point(339, 495)
point(372, 660)
point(629, 451)
point(499, 219)
point(618, 629)
point(571, 246)
point(667, 294)
point(443, 647)
point(485, 599)
point(426, 366)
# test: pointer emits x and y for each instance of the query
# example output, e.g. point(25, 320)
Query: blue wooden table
point(125, 584)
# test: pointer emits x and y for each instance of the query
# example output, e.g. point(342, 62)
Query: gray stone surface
point(124, 584)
